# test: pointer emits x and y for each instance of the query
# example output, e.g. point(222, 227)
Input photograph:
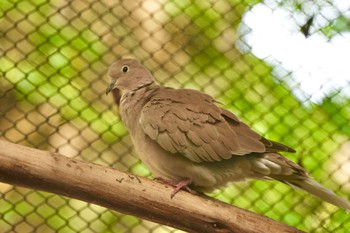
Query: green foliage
point(337, 26)
point(54, 65)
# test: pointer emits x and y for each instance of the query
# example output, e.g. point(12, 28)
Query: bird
point(187, 139)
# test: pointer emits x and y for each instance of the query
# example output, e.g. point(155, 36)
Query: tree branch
point(126, 193)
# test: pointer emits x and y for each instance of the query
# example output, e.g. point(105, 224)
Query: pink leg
point(178, 185)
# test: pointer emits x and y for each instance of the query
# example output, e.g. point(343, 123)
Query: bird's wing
point(188, 122)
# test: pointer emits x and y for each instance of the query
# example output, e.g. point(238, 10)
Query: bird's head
point(128, 74)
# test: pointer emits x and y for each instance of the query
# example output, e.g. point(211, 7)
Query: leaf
point(336, 26)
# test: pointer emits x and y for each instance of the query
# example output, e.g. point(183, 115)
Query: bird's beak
point(110, 86)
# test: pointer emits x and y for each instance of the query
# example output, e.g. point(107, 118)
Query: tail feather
point(275, 166)
point(318, 190)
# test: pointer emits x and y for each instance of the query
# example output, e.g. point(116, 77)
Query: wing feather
point(189, 123)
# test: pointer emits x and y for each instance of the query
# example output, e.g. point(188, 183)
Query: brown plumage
point(183, 134)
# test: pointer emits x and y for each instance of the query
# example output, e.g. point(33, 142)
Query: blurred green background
point(53, 65)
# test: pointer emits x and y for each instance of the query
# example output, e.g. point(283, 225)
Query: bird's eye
point(125, 69)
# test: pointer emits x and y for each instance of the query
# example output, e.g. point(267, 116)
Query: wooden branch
point(126, 193)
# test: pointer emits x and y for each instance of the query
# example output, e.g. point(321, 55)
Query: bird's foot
point(178, 185)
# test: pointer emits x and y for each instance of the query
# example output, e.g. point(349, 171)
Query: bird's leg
point(182, 184)
point(178, 185)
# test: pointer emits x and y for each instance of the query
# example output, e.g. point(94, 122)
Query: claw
point(178, 185)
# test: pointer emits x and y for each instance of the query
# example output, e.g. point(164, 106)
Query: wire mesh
point(54, 60)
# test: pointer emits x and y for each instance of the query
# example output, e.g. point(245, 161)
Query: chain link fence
point(54, 60)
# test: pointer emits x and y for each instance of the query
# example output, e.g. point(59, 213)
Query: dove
point(187, 139)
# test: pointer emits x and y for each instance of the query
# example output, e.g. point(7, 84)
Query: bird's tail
point(284, 170)
point(318, 190)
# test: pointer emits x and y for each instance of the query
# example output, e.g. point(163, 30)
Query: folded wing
point(189, 123)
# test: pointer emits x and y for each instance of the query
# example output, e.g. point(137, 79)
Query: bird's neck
point(132, 102)
point(143, 85)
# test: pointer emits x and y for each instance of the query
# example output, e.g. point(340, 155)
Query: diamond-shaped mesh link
point(53, 64)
